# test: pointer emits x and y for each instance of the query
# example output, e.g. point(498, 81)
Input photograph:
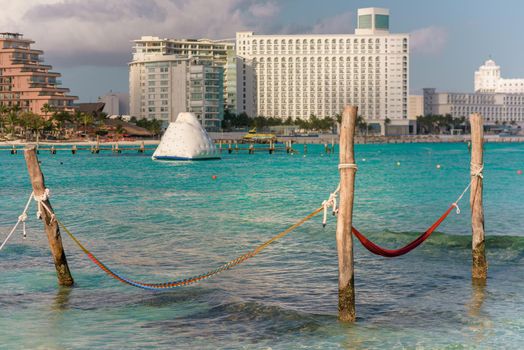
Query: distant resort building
point(169, 76)
point(488, 79)
point(299, 75)
point(498, 100)
point(115, 103)
point(415, 107)
point(25, 81)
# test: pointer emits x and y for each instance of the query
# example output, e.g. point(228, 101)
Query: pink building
point(27, 82)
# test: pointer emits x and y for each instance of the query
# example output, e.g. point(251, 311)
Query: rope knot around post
point(40, 201)
point(330, 202)
point(476, 170)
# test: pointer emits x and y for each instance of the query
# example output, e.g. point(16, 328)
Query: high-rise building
point(162, 86)
point(213, 53)
point(300, 75)
point(488, 79)
point(25, 81)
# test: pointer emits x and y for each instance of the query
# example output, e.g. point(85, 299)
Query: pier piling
point(51, 226)
point(479, 263)
point(347, 168)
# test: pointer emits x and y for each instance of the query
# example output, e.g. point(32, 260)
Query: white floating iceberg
point(186, 139)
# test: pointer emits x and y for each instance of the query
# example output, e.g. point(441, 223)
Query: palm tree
point(30, 122)
point(87, 119)
point(61, 118)
point(4, 110)
point(12, 118)
point(119, 131)
point(46, 109)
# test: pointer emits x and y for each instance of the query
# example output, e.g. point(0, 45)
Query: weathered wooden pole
point(229, 147)
point(142, 148)
point(347, 167)
point(51, 226)
point(73, 149)
point(480, 265)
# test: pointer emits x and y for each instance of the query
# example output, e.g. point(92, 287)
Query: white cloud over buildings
point(428, 41)
point(99, 32)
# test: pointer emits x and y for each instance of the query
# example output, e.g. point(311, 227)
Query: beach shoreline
point(320, 139)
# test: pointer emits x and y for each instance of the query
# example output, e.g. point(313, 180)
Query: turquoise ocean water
point(162, 221)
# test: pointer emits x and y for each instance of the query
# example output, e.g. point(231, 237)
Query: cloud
point(268, 9)
point(96, 11)
point(100, 32)
point(341, 23)
point(428, 41)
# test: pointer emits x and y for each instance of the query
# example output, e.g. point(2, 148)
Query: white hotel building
point(300, 75)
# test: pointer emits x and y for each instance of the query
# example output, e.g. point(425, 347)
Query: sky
point(89, 41)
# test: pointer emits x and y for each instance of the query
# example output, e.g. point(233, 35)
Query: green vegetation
point(438, 124)
point(242, 121)
point(154, 126)
point(16, 123)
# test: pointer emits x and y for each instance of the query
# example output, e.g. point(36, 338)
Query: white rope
point(477, 173)
point(21, 219)
point(347, 166)
point(330, 202)
point(40, 200)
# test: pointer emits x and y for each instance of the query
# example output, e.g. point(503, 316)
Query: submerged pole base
point(479, 270)
point(346, 303)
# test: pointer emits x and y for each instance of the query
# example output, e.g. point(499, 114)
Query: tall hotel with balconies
point(25, 81)
point(168, 76)
point(300, 75)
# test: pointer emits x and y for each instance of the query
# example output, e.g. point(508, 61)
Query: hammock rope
point(391, 253)
point(189, 280)
point(330, 202)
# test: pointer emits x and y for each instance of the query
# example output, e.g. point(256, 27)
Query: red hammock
point(390, 253)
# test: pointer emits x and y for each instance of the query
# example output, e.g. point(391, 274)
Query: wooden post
point(51, 226)
point(346, 285)
point(73, 149)
point(53, 150)
point(13, 150)
point(480, 265)
point(230, 147)
point(142, 147)
point(305, 148)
